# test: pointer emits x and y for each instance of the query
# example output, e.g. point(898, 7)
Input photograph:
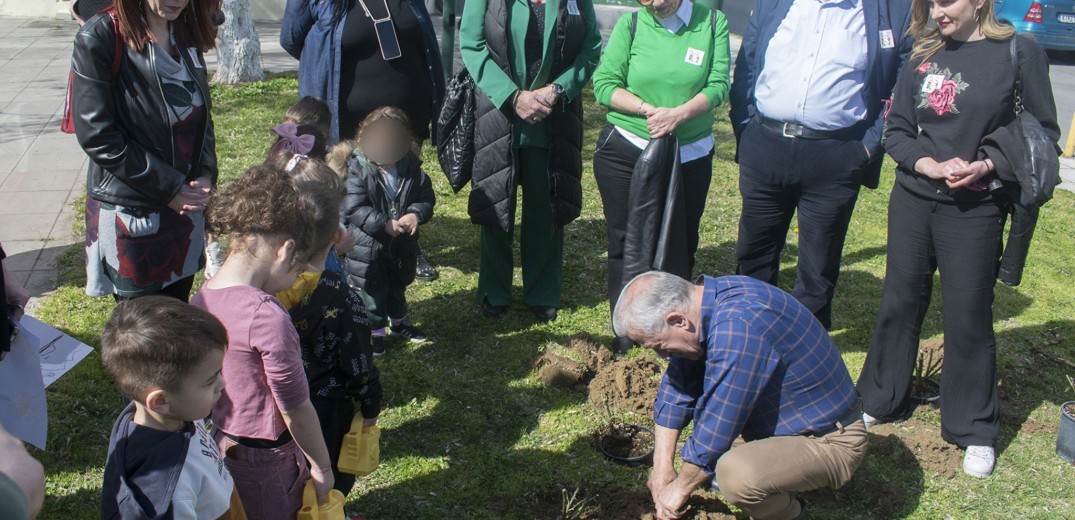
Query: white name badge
point(573, 8)
point(694, 56)
point(932, 82)
point(887, 41)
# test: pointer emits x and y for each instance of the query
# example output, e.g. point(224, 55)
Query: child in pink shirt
point(267, 428)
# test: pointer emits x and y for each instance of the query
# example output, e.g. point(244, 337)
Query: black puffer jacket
point(122, 122)
point(367, 208)
point(493, 182)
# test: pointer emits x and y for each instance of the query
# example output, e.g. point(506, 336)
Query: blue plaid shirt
point(770, 369)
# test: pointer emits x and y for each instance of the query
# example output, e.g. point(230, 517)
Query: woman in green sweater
point(663, 71)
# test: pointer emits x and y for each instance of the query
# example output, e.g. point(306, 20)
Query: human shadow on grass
point(478, 427)
point(888, 484)
point(1032, 363)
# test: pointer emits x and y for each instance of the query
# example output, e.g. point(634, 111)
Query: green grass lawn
point(468, 431)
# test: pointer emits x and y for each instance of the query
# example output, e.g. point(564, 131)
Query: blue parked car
point(1051, 22)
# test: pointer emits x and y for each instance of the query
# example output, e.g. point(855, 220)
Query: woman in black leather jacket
point(140, 105)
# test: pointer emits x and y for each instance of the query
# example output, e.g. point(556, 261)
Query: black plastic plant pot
point(927, 392)
point(1065, 437)
point(645, 459)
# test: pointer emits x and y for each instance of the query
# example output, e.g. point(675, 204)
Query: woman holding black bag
point(665, 68)
point(955, 96)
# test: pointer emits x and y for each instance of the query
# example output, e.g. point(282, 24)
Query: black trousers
point(335, 417)
point(819, 178)
point(612, 166)
point(964, 242)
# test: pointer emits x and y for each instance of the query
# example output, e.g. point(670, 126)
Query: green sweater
point(656, 68)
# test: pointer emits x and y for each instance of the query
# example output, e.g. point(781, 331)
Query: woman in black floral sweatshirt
point(947, 212)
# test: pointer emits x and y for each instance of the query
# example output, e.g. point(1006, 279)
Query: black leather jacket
point(122, 122)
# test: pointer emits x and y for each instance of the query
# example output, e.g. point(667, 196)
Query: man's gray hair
point(647, 300)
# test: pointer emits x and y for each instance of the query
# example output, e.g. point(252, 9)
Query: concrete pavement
point(43, 170)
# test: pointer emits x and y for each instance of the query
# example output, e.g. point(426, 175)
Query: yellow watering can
point(361, 450)
point(330, 510)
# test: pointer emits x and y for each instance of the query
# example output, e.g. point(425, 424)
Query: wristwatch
point(557, 89)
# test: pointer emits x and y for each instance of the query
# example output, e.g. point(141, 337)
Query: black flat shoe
point(425, 271)
point(493, 311)
point(544, 314)
point(621, 344)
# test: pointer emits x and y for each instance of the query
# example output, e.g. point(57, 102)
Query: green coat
point(498, 86)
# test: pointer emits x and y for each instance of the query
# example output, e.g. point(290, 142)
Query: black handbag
point(1038, 170)
point(1037, 173)
point(455, 128)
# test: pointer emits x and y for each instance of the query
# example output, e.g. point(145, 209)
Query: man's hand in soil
point(661, 476)
point(664, 472)
point(672, 503)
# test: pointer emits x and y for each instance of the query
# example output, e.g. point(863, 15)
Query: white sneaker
point(868, 420)
point(979, 461)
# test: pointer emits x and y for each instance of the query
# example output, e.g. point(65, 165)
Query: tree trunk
point(238, 47)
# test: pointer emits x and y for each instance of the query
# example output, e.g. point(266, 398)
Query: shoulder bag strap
point(1018, 86)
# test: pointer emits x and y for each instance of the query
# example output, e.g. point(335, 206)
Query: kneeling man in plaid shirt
point(749, 360)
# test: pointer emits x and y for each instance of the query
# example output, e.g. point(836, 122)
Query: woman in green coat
point(530, 60)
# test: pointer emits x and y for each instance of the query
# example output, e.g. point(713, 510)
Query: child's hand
point(409, 223)
point(393, 228)
point(323, 482)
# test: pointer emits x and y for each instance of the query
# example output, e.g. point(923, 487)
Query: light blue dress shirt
point(815, 66)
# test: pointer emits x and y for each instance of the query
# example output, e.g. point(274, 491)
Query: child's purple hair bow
point(291, 141)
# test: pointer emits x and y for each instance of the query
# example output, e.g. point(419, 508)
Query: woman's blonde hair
point(928, 37)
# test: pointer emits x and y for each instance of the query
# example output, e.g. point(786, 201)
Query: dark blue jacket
point(882, 66)
point(310, 34)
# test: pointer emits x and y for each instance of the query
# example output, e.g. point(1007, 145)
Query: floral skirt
point(132, 252)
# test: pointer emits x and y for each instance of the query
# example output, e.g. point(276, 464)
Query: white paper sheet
point(59, 352)
point(22, 392)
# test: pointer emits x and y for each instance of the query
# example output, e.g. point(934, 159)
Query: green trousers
point(541, 241)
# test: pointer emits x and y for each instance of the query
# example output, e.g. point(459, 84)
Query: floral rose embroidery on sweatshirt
point(939, 88)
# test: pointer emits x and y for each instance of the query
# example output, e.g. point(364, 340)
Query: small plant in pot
point(925, 388)
point(623, 442)
point(1065, 437)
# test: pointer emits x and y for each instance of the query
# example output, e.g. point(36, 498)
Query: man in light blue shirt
point(815, 66)
point(810, 88)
